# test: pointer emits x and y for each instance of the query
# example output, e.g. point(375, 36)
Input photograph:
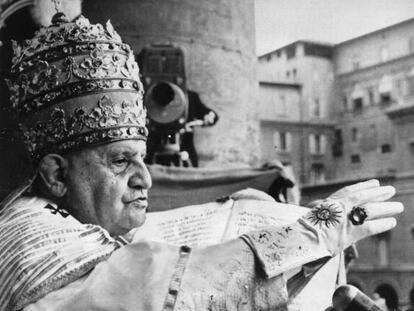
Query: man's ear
point(53, 169)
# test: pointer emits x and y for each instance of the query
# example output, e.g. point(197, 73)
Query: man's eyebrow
point(129, 153)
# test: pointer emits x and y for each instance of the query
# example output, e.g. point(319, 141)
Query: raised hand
point(353, 213)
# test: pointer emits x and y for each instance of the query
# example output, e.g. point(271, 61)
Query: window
point(316, 108)
point(318, 50)
point(337, 147)
point(354, 135)
point(355, 62)
point(371, 143)
point(276, 140)
point(410, 86)
point(399, 87)
point(285, 139)
point(288, 74)
point(268, 57)
point(411, 45)
point(382, 248)
point(282, 141)
point(385, 148)
point(355, 159)
point(290, 51)
point(385, 98)
point(345, 103)
point(371, 97)
point(317, 173)
point(294, 73)
point(283, 106)
point(384, 54)
point(384, 88)
point(358, 103)
point(317, 143)
point(412, 235)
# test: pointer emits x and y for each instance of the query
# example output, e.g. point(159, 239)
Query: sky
point(280, 22)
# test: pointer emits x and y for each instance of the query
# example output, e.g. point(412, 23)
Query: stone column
point(217, 37)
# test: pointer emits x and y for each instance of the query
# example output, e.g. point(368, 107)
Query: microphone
point(350, 298)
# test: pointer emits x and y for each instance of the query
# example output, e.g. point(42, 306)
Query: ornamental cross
point(55, 210)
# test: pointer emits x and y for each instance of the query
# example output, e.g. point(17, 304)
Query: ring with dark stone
point(358, 215)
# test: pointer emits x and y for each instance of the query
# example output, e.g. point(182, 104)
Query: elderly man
point(77, 91)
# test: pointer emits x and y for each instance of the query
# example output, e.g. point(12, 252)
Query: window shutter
point(276, 140)
point(312, 148)
point(323, 144)
point(322, 107)
point(288, 141)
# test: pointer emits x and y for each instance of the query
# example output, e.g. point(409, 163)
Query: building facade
point(374, 96)
point(373, 73)
point(369, 100)
point(295, 89)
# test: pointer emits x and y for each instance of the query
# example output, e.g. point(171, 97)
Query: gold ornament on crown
point(55, 75)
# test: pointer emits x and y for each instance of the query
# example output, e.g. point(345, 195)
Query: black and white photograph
point(206, 155)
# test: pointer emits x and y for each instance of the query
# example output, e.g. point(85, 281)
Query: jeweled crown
point(76, 83)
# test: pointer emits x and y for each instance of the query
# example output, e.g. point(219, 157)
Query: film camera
point(166, 100)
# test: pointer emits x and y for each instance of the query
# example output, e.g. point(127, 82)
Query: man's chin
point(130, 232)
point(136, 219)
point(129, 224)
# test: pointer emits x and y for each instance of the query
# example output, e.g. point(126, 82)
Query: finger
point(373, 227)
point(382, 209)
point(376, 194)
point(372, 183)
point(368, 184)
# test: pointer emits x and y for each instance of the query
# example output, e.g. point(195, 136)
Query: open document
point(213, 223)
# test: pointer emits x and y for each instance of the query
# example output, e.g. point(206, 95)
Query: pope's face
point(108, 185)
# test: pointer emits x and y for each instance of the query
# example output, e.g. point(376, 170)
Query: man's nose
point(141, 178)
